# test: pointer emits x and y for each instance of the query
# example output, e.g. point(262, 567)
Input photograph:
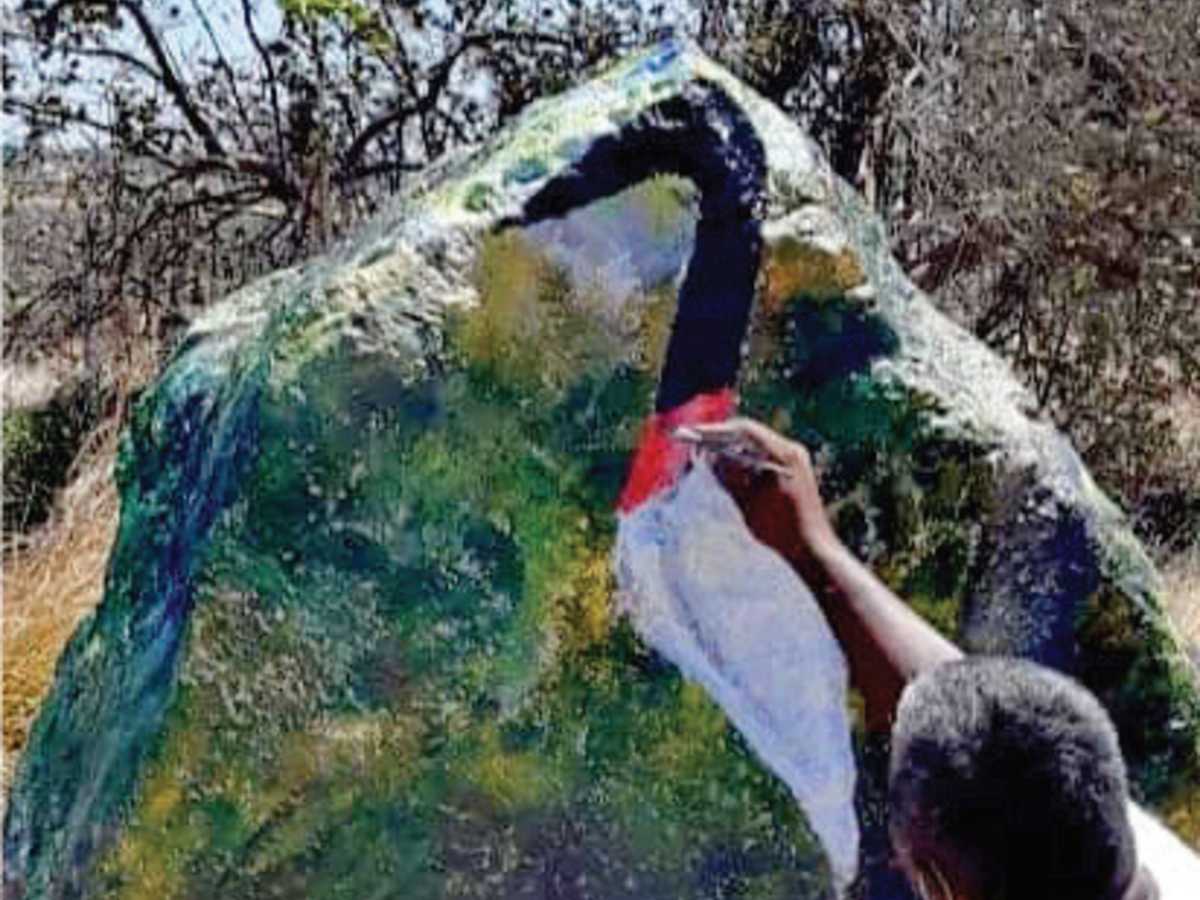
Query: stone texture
point(358, 636)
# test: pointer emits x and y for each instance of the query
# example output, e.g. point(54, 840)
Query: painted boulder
point(358, 637)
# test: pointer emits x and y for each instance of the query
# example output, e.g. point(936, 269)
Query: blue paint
point(527, 170)
point(831, 342)
point(185, 455)
point(666, 53)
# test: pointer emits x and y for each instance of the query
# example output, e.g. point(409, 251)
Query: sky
point(185, 35)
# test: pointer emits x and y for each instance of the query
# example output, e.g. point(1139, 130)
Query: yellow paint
point(162, 795)
point(654, 329)
point(527, 301)
point(533, 330)
point(1182, 814)
point(513, 781)
point(1107, 625)
point(509, 277)
point(579, 602)
point(148, 856)
point(699, 732)
point(309, 772)
point(795, 268)
point(149, 870)
point(298, 764)
point(665, 199)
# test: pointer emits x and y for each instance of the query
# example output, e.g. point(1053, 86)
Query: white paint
point(734, 616)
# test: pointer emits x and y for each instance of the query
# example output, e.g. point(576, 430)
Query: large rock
point(358, 635)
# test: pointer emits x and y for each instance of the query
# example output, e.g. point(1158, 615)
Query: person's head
point(1006, 782)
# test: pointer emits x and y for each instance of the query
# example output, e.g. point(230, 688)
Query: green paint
point(1128, 661)
point(436, 562)
point(479, 197)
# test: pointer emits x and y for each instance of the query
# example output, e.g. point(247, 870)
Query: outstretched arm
point(886, 643)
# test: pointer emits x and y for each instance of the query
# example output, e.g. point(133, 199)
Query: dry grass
point(50, 583)
point(1183, 595)
point(54, 576)
point(1183, 571)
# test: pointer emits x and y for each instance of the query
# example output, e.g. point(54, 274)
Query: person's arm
point(885, 642)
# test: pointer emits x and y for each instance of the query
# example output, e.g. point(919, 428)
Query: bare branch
point(252, 32)
point(170, 79)
point(231, 78)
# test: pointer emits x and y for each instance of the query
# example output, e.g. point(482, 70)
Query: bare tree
point(224, 166)
point(1035, 161)
point(1038, 167)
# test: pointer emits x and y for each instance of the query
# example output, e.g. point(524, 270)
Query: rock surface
point(358, 635)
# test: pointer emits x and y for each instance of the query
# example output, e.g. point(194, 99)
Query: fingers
point(758, 436)
point(790, 460)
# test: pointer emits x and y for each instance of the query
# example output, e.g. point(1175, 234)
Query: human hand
point(773, 480)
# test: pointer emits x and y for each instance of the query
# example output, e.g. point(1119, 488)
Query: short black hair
point(1017, 770)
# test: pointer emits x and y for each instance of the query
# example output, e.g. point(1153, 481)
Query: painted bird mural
point(360, 635)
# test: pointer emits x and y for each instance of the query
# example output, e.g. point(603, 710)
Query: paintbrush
point(729, 447)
